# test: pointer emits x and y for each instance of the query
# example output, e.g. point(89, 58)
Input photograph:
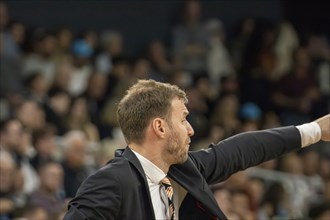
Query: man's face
point(52, 177)
point(12, 137)
point(180, 131)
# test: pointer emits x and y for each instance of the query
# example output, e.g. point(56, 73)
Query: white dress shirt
point(154, 175)
point(310, 133)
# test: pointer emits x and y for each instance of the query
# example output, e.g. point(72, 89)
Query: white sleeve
point(310, 133)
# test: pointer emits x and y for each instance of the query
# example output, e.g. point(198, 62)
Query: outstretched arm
point(241, 151)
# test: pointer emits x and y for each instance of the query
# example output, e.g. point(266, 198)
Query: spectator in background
point(48, 196)
point(45, 147)
point(228, 85)
point(241, 37)
point(241, 202)
point(11, 134)
point(274, 204)
point(31, 115)
point(112, 46)
point(225, 114)
point(36, 86)
point(9, 190)
point(286, 43)
point(13, 39)
point(256, 190)
point(64, 39)
point(57, 108)
point(219, 62)
point(159, 59)
point(82, 52)
point(11, 140)
point(91, 37)
point(310, 167)
point(41, 58)
point(251, 116)
point(10, 56)
point(118, 81)
point(30, 176)
point(141, 68)
point(224, 199)
point(95, 95)
point(297, 91)
point(79, 119)
point(256, 84)
point(319, 50)
point(74, 162)
point(190, 39)
point(63, 74)
point(16, 141)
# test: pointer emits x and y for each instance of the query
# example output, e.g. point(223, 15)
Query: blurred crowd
point(59, 89)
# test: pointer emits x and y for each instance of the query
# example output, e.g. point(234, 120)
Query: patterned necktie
point(169, 192)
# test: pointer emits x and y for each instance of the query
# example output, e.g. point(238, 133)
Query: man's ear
point(158, 125)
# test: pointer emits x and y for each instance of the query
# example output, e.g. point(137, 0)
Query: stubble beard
point(176, 153)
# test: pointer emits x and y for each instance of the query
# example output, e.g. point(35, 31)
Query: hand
point(324, 124)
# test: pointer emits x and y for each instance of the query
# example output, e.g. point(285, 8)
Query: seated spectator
point(241, 201)
point(63, 74)
point(190, 40)
point(95, 95)
point(64, 38)
point(82, 52)
point(74, 162)
point(224, 199)
point(297, 91)
point(31, 114)
point(112, 46)
point(274, 203)
point(37, 86)
point(159, 59)
point(79, 119)
point(48, 196)
point(57, 108)
point(218, 53)
point(44, 143)
point(41, 58)
point(10, 199)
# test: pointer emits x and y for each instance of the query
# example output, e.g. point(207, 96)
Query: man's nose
point(190, 130)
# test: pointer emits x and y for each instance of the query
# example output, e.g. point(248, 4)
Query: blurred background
point(245, 65)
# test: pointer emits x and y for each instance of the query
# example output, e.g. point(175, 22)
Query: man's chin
point(182, 159)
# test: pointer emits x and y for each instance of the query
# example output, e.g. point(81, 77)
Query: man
point(74, 162)
point(152, 116)
point(47, 196)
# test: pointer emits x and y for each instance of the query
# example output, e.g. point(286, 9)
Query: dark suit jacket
point(120, 189)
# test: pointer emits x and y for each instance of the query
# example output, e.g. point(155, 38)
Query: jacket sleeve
point(221, 160)
point(99, 197)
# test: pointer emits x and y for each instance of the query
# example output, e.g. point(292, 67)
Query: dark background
point(140, 21)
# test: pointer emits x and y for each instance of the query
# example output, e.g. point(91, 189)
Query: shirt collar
point(154, 173)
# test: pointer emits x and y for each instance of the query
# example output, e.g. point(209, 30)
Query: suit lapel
point(130, 156)
point(189, 177)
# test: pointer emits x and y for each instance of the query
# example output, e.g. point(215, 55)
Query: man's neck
point(153, 155)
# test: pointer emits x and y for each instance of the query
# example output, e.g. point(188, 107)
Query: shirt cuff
point(310, 133)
